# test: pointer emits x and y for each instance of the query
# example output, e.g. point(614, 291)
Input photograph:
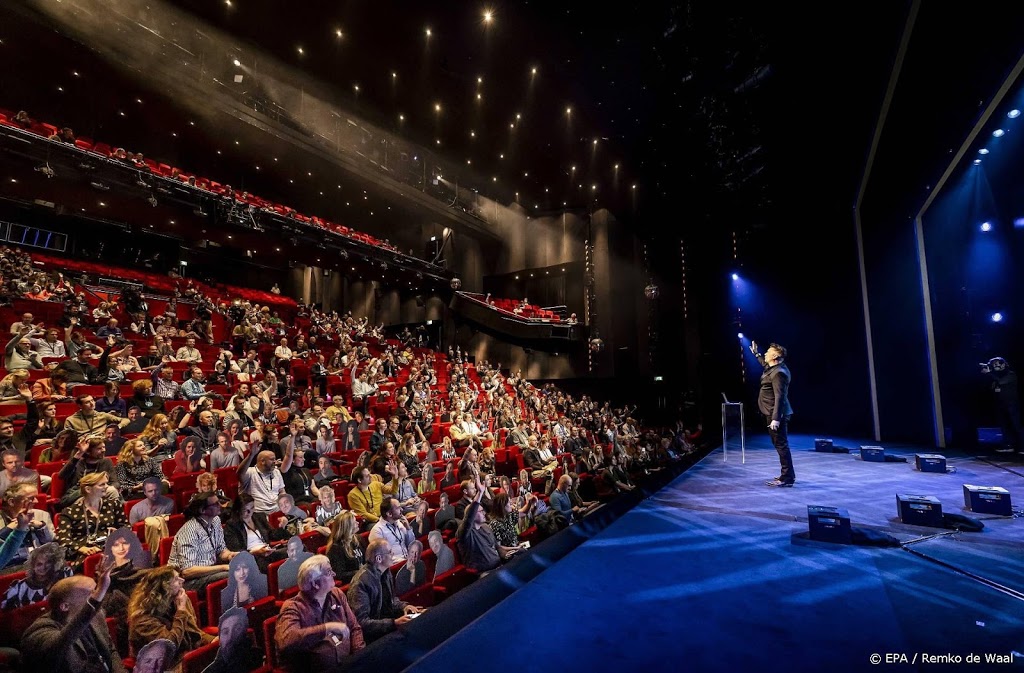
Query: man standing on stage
point(773, 402)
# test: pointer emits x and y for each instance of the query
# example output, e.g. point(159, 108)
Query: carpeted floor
point(714, 573)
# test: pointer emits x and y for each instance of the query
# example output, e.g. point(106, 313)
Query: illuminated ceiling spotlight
point(338, 34)
point(977, 162)
point(986, 226)
point(997, 317)
point(237, 63)
point(428, 32)
point(568, 111)
point(1013, 114)
point(998, 133)
point(533, 70)
point(983, 150)
point(488, 16)
point(437, 107)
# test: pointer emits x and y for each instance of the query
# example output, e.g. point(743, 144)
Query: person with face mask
point(1007, 403)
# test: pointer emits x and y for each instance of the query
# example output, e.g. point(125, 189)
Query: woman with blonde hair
point(84, 524)
point(343, 548)
point(160, 608)
point(427, 482)
point(11, 384)
point(158, 435)
point(135, 466)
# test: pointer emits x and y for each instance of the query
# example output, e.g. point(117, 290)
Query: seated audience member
point(503, 518)
point(477, 546)
point(88, 422)
point(198, 550)
point(20, 499)
point(393, 529)
point(343, 547)
point(366, 497)
point(298, 481)
point(15, 472)
point(372, 595)
point(83, 526)
point(561, 501)
point(73, 636)
point(111, 402)
point(264, 482)
point(155, 509)
point(413, 573)
point(317, 630)
point(44, 568)
point(249, 530)
point(160, 608)
point(134, 467)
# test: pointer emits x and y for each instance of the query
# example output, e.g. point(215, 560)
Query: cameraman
point(1004, 387)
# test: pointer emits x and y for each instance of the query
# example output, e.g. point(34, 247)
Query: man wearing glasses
point(198, 550)
point(317, 630)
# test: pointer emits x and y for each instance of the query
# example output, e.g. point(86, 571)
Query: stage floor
point(714, 573)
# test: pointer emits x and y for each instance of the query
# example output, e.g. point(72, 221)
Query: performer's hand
point(753, 347)
point(774, 425)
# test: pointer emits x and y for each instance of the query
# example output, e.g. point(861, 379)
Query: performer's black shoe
point(778, 483)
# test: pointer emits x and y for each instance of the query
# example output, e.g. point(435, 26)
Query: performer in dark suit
point(773, 403)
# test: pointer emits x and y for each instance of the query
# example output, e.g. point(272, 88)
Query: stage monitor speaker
point(987, 500)
point(829, 524)
point(824, 446)
point(920, 510)
point(872, 454)
point(930, 462)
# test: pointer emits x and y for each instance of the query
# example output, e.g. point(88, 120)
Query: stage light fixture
point(977, 162)
point(997, 317)
point(983, 151)
point(735, 276)
point(1013, 114)
point(740, 335)
point(998, 133)
point(986, 226)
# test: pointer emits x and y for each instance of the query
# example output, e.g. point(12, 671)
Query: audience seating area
point(202, 184)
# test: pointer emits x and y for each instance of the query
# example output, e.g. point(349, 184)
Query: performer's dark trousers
point(1009, 418)
point(780, 440)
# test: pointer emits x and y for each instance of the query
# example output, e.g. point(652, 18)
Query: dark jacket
point(61, 648)
point(773, 399)
point(366, 596)
point(236, 535)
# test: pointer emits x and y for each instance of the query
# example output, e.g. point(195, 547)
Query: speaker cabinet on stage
point(930, 462)
point(824, 446)
point(920, 510)
point(872, 454)
point(987, 500)
point(828, 524)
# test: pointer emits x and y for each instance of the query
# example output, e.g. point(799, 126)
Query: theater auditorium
point(404, 336)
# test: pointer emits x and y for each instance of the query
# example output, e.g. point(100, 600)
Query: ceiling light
point(488, 16)
point(338, 33)
point(533, 71)
point(568, 110)
point(301, 52)
point(237, 63)
point(428, 32)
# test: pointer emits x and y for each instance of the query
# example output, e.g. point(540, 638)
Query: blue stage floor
point(713, 573)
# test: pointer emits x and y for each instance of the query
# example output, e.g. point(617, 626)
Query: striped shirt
point(197, 544)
